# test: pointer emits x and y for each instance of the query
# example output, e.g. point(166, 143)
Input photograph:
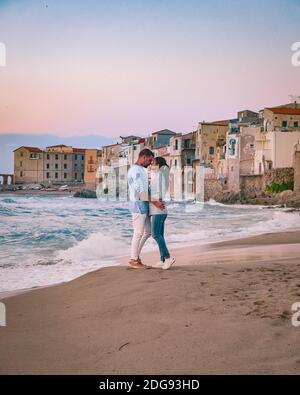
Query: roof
point(130, 136)
point(284, 110)
point(252, 112)
point(110, 145)
point(164, 131)
point(30, 149)
point(81, 150)
point(224, 122)
point(58, 145)
point(187, 135)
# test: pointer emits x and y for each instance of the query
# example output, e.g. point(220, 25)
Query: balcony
point(286, 129)
point(189, 146)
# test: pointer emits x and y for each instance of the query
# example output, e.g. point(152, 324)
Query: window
point(296, 124)
point(211, 150)
point(21, 153)
point(65, 157)
point(284, 124)
point(56, 165)
point(65, 165)
point(48, 175)
point(65, 175)
point(48, 166)
point(76, 157)
point(56, 156)
point(188, 161)
point(186, 143)
point(75, 176)
point(176, 144)
point(82, 157)
point(56, 175)
point(75, 165)
point(21, 174)
point(82, 175)
point(175, 163)
point(21, 164)
point(232, 144)
point(48, 156)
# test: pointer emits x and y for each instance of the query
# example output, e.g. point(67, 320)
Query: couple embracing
point(148, 208)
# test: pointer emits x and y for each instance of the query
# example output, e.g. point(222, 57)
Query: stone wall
point(254, 185)
point(279, 176)
point(251, 185)
point(213, 189)
point(297, 171)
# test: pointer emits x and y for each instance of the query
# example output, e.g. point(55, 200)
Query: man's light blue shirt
point(138, 183)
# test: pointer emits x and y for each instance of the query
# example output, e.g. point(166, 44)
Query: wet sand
point(223, 308)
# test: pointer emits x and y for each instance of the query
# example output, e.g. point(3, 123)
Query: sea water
point(50, 239)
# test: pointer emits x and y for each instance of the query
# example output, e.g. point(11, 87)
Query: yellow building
point(93, 159)
point(28, 165)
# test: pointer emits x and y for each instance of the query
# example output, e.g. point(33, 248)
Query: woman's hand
point(159, 204)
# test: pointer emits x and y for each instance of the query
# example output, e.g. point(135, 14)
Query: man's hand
point(159, 204)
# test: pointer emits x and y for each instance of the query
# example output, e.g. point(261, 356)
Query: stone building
point(57, 164)
point(210, 145)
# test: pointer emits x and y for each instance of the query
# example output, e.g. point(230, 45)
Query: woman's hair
point(161, 161)
point(164, 176)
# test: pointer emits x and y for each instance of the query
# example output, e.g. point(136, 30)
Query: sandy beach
point(223, 308)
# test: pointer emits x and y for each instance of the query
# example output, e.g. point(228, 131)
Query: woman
point(159, 188)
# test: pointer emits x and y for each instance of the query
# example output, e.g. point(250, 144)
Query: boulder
point(86, 193)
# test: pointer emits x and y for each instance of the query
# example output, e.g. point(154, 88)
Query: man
point(139, 205)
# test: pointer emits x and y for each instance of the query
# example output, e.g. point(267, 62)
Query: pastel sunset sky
point(117, 67)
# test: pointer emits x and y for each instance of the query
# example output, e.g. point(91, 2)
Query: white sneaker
point(168, 263)
point(157, 265)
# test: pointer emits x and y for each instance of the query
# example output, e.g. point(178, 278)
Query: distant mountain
point(9, 142)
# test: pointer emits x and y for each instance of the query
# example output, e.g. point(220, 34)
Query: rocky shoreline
point(285, 199)
point(288, 198)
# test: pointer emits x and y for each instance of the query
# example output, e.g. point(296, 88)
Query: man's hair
point(146, 152)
